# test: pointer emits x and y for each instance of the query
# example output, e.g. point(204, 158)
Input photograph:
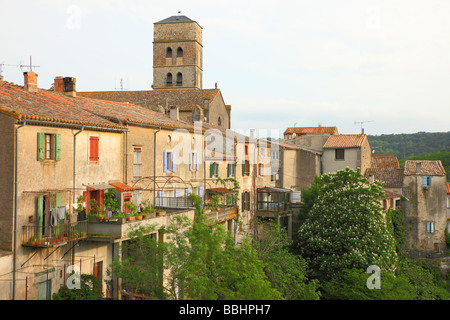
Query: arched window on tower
point(179, 52)
point(169, 52)
point(179, 79)
point(219, 121)
point(169, 80)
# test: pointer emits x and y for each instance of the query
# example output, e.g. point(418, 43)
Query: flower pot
point(130, 218)
point(138, 217)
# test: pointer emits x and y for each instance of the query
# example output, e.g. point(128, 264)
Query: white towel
point(62, 213)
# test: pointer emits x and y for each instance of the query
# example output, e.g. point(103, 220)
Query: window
point(213, 170)
point(179, 52)
point(169, 80)
point(179, 79)
point(430, 227)
point(245, 201)
point(49, 146)
point(169, 162)
point(426, 181)
point(169, 53)
point(219, 121)
point(231, 170)
point(275, 155)
point(137, 164)
point(193, 161)
point(177, 193)
point(159, 198)
point(246, 168)
point(260, 169)
point(187, 192)
point(339, 154)
point(246, 150)
point(93, 149)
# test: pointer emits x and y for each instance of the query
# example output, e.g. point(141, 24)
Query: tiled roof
point(311, 130)
point(345, 141)
point(175, 19)
point(392, 178)
point(185, 99)
point(45, 105)
point(427, 168)
point(384, 160)
point(389, 194)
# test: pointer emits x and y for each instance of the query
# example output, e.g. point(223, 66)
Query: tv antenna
point(5, 65)
point(361, 123)
point(29, 66)
point(121, 85)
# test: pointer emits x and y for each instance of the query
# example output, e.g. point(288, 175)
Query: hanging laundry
point(62, 213)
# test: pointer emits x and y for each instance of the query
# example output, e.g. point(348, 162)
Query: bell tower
point(177, 54)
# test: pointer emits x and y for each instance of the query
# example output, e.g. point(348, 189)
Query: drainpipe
point(74, 159)
point(16, 154)
point(154, 166)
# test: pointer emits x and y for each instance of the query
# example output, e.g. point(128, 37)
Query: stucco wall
point(424, 205)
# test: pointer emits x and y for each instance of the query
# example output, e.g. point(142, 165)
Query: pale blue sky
point(278, 63)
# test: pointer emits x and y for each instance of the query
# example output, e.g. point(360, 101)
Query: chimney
point(174, 113)
point(69, 86)
point(59, 84)
point(30, 81)
point(65, 85)
point(418, 168)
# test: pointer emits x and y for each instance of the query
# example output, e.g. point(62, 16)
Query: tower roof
point(175, 19)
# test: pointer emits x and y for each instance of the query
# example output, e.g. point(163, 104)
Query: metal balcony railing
point(174, 202)
point(49, 236)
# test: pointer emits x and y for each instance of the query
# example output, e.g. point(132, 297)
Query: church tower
point(177, 54)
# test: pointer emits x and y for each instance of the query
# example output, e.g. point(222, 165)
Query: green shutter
point(248, 200)
point(217, 169)
point(228, 169)
point(243, 168)
point(40, 213)
point(57, 146)
point(210, 170)
point(234, 169)
point(243, 201)
point(41, 146)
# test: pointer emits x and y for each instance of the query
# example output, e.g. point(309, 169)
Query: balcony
point(117, 229)
point(54, 236)
point(221, 214)
point(273, 201)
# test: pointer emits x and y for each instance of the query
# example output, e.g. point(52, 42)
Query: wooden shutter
point(40, 212)
point(93, 144)
point(41, 146)
point(57, 146)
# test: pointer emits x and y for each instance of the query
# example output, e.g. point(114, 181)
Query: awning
point(98, 186)
point(220, 190)
point(270, 189)
point(121, 186)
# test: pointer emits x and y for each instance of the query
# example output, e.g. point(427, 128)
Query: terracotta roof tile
point(46, 106)
point(385, 161)
point(311, 130)
point(185, 99)
point(392, 178)
point(426, 168)
point(345, 141)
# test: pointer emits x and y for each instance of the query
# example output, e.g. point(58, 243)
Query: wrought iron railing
point(39, 236)
point(174, 202)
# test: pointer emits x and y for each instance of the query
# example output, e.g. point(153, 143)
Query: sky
point(383, 65)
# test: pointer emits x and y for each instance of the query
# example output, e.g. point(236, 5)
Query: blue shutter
point(429, 181)
point(196, 161)
point(165, 162)
point(200, 191)
point(177, 192)
point(424, 181)
point(190, 161)
point(174, 161)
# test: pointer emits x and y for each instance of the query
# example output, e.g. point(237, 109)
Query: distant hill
point(407, 145)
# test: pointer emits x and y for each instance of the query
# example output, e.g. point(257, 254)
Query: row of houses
point(83, 169)
point(420, 188)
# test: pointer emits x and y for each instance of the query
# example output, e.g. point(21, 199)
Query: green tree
point(287, 271)
point(345, 228)
point(351, 284)
point(198, 260)
point(90, 289)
